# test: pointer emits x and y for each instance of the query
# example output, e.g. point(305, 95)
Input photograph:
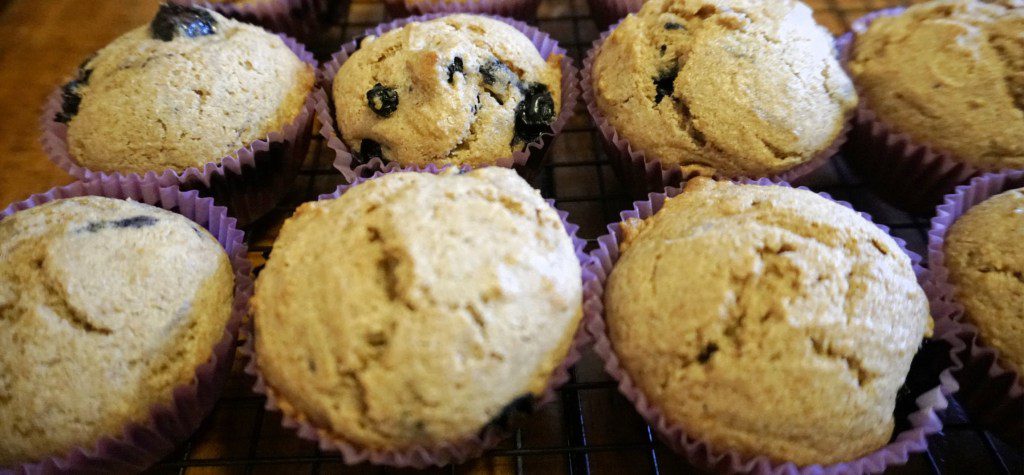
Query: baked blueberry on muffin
point(727, 87)
point(949, 74)
point(766, 320)
point(190, 88)
point(105, 307)
point(984, 252)
point(416, 309)
point(461, 89)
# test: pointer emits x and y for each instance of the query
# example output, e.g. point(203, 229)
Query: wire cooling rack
point(591, 428)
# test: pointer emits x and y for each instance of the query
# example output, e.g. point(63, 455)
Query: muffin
point(189, 89)
point(984, 253)
point(460, 89)
point(732, 295)
point(725, 87)
point(950, 74)
point(416, 309)
point(106, 306)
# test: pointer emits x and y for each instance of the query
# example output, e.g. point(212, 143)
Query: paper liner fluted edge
point(533, 153)
point(525, 10)
point(455, 451)
point(296, 135)
point(991, 392)
point(641, 174)
point(608, 12)
point(912, 174)
point(924, 421)
point(298, 18)
point(142, 444)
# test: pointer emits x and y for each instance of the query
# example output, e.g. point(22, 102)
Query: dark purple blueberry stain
point(535, 113)
point(173, 20)
point(496, 72)
point(674, 26)
point(663, 48)
point(135, 222)
point(664, 84)
point(455, 67)
point(382, 100)
point(520, 405)
point(70, 96)
point(368, 150)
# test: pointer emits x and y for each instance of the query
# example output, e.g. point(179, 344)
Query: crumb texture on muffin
point(415, 308)
point(984, 252)
point(462, 89)
point(949, 74)
point(727, 87)
point(188, 89)
point(105, 306)
point(767, 320)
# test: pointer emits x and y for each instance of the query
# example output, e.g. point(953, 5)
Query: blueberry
point(382, 100)
point(368, 150)
point(495, 71)
point(520, 405)
point(535, 113)
point(455, 67)
point(70, 97)
point(664, 84)
point(135, 222)
point(189, 22)
point(707, 352)
point(674, 26)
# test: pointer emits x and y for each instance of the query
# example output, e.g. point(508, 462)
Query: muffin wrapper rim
point(534, 152)
point(143, 444)
point(924, 421)
point(914, 174)
point(425, 456)
point(525, 10)
point(243, 203)
point(992, 391)
point(642, 174)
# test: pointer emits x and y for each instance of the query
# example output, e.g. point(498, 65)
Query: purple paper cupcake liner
point(303, 19)
point(608, 12)
point(249, 182)
point(142, 444)
point(527, 162)
point(923, 421)
point(642, 175)
point(525, 10)
point(422, 457)
point(992, 393)
point(910, 174)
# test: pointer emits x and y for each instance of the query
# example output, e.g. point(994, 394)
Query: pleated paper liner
point(250, 181)
point(455, 451)
point(527, 161)
point(641, 174)
point(990, 391)
point(143, 443)
point(924, 395)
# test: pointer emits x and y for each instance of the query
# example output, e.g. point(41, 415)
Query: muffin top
point(984, 252)
point(105, 306)
point(188, 89)
point(461, 89)
point(414, 309)
point(725, 87)
point(949, 74)
point(732, 295)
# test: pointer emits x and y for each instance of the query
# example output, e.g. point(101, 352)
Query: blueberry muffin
point(984, 252)
point(416, 309)
point(461, 89)
point(733, 295)
point(950, 74)
point(188, 89)
point(105, 307)
point(723, 87)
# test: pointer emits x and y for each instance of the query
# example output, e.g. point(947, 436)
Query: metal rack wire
point(591, 429)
